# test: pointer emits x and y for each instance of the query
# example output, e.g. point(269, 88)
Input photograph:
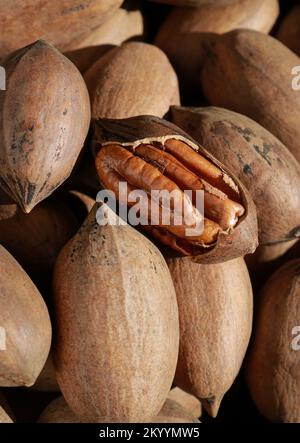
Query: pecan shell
point(151, 154)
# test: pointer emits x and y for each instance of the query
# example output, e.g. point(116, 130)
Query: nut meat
point(170, 161)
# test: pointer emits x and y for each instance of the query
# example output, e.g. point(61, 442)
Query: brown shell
point(115, 361)
point(215, 317)
point(4, 404)
point(42, 132)
point(4, 417)
point(46, 381)
point(182, 35)
point(187, 401)
point(58, 21)
point(188, 3)
point(6, 414)
point(36, 239)
point(134, 79)
point(58, 411)
point(25, 319)
point(251, 73)
point(273, 363)
point(243, 238)
point(289, 30)
point(260, 161)
point(121, 26)
point(173, 412)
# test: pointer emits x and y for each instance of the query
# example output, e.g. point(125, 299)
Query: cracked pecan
point(150, 154)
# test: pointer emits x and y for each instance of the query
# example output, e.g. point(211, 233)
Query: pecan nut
point(173, 162)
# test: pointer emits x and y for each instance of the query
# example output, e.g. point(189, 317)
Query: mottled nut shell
point(273, 363)
point(173, 412)
point(243, 238)
point(117, 323)
point(4, 417)
point(251, 73)
point(61, 22)
point(26, 325)
point(215, 317)
point(134, 79)
point(44, 118)
point(289, 30)
point(263, 164)
point(123, 25)
point(183, 33)
point(58, 411)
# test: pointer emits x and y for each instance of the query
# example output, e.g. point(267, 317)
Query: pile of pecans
point(149, 204)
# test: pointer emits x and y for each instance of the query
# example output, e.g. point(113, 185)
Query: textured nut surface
point(44, 117)
point(134, 79)
point(273, 362)
point(117, 323)
point(25, 324)
point(263, 164)
point(123, 25)
point(4, 417)
point(215, 317)
point(183, 34)
point(251, 73)
point(58, 21)
point(151, 154)
point(58, 411)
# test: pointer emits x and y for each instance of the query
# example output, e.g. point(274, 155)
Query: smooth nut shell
point(134, 79)
point(44, 117)
point(61, 22)
point(260, 161)
point(215, 317)
point(25, 319)
point(123, 25)
point(115, 361)
point(4, 417)
point(273, 366)
point(251, 73)
point(182, 35)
